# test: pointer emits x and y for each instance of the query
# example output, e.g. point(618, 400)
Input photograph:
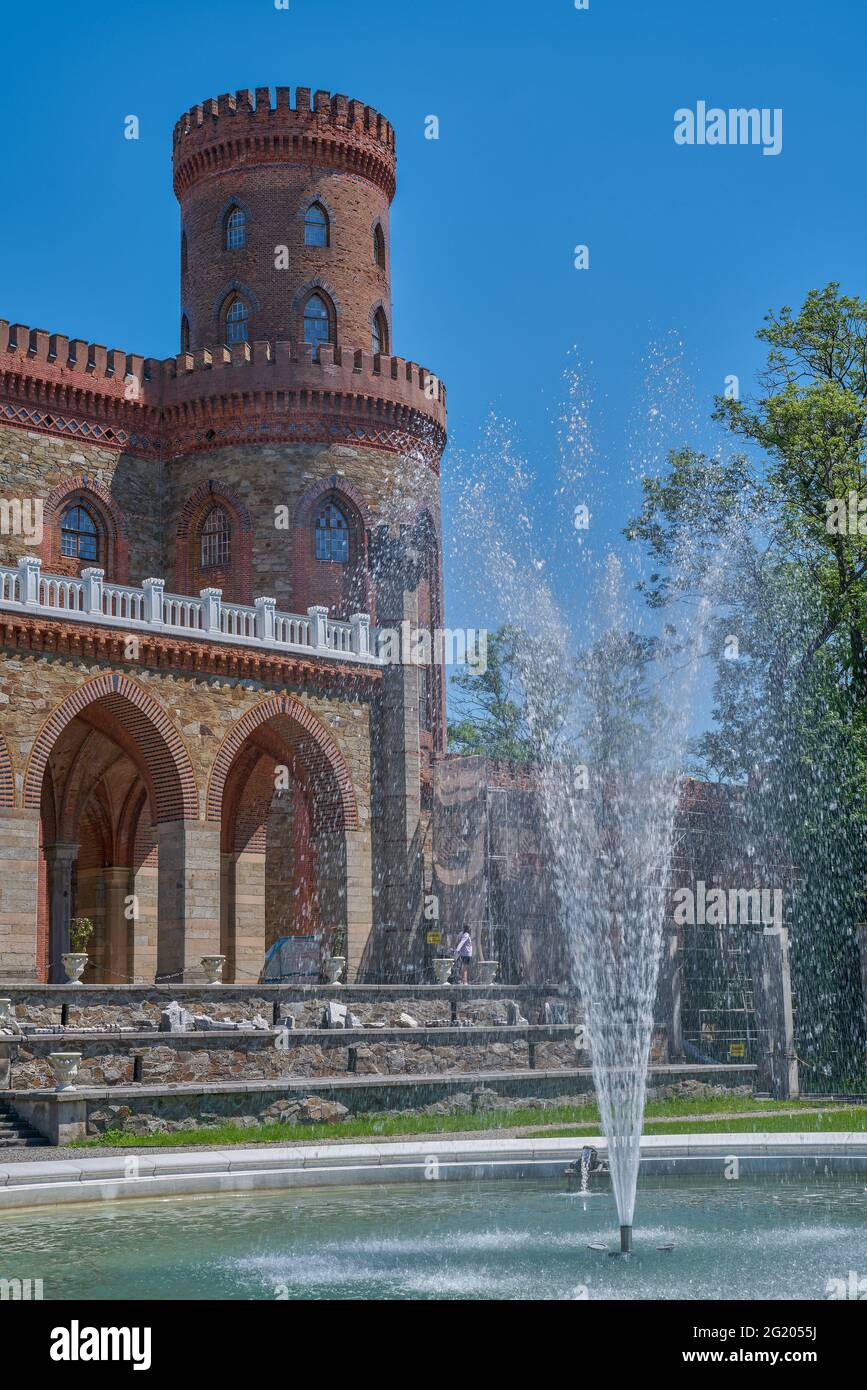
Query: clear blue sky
point(556, 129)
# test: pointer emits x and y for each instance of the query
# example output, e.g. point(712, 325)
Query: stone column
point(248, 916)
point(396, 774)
point(188, 898)
point(772, 997)
point(359, 901)
point(118, 926)
point(59, 860)
point(668, 991)
point(19, 893)
point(145, 886)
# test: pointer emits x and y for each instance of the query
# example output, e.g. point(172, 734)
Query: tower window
point(185, 334)
point(332, 534)
point(379, 247)
point(183, 253)
point(79, 534)
point(236, 229)
point(216, 539)
point(317, 322)
point(316, 227)
point(237, 322)
point(380, 331)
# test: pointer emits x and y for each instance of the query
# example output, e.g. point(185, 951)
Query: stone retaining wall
point(95, 1007)
point(179, 1058)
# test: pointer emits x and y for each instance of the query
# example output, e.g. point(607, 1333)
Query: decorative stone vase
point(213, 968)
point(443, 967)
point(74, 963)
point(486, 971)
point(5, 1012)
point(65, 1067)
point(334, 967)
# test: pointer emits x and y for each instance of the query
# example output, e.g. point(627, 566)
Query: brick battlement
point(208, 399)
point(243, 129)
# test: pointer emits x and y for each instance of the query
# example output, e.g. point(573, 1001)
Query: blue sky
point(556, 129)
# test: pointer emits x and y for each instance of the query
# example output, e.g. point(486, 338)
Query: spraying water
point(608, 703)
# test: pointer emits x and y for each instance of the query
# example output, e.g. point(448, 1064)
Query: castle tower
point(284, 211)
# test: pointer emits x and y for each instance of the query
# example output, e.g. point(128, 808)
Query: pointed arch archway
point(283, 794)
point(165, 756)
point(106, 746)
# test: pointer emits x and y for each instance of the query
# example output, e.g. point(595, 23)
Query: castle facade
point(200, 748)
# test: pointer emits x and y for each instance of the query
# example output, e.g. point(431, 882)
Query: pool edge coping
point(55, 1182)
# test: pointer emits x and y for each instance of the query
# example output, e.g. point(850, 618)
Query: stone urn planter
point(213, 969)
point(486, 971)
point(334, 968)
point(65, 1067)
point(443, 967)
point(74, 963)
point(5, 1013)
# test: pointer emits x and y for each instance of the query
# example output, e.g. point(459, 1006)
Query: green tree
point(789, 589)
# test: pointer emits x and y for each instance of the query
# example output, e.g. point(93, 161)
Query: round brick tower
point(302, 455)
point(281, 206)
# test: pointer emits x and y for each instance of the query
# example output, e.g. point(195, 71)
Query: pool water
point(448, 1240)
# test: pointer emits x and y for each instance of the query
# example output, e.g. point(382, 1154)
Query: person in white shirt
point(463, 956)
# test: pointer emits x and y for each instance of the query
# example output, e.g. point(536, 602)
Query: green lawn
point(698, 1116)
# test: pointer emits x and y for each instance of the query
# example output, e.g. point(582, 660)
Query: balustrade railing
point(89, 598)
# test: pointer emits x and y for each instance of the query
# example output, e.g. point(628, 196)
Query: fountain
point(608, 704)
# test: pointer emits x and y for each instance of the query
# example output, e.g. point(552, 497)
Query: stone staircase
point(15, 1133)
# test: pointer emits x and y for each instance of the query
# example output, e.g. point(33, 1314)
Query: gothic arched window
point(79, 534)
point(332, 534)
point(317, 322)
point(185, 334)
point(380, 331)
point(216, 540)
point(316, 226)
point(184, 253)
point(379, 247)
point(235, 226)
point(237, 321)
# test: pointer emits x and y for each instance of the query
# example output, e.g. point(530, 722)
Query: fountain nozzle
point(626, 1240)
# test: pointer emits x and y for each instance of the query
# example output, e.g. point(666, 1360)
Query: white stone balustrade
point(88, 598)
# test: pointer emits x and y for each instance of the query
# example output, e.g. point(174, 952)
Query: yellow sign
point(737, 1049)
point(434, 938)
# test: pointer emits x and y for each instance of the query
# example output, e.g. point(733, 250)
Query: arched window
point(379, 247)
point(79, 534)
point(237, 321)
point(235, 229)
point(332, 534)
point(183, 253)
point(380, 331)
point(185, 334)
point(316, 228)
point(317, 322)
point(216, 540)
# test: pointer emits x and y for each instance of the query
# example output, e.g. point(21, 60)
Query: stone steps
point(15, 1133)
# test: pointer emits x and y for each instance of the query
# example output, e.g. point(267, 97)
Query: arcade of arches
point(214, 833)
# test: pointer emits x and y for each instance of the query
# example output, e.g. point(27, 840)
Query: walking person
point(463, 956)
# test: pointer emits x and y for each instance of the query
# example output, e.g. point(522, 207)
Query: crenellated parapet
point(268, 127)
point(208, 399)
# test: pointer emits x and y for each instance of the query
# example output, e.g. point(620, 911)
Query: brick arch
point(315, 194)
point(238, 579)
point(162, 748)
point(116, 562)
point(323, 756)
point(233, 287)
point(7, 776)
